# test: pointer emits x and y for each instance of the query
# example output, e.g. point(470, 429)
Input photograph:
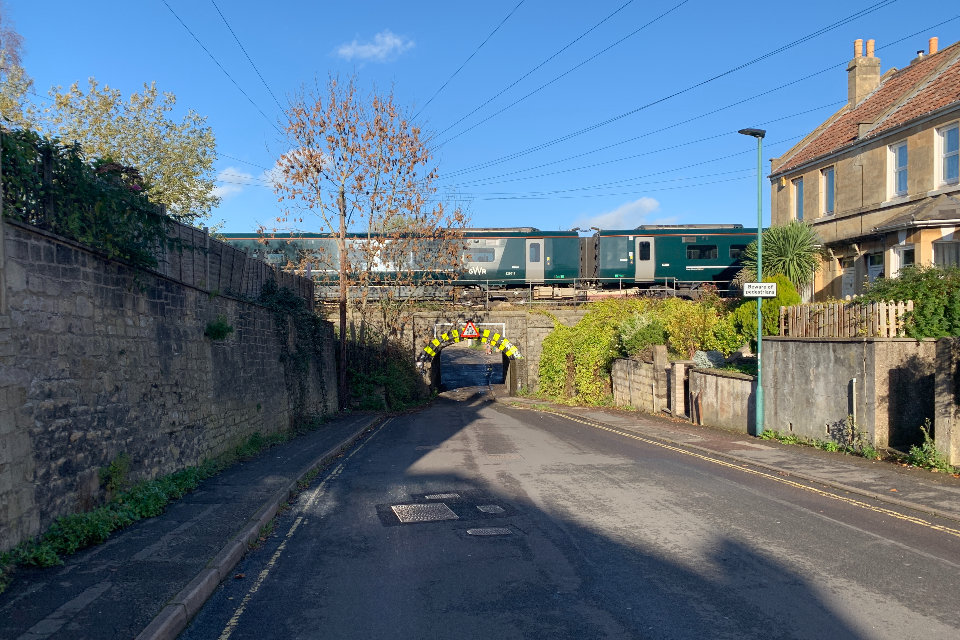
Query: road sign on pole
point(759, 289)
point(470, 331)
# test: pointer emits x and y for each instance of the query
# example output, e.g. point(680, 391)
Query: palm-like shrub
point(790, 250)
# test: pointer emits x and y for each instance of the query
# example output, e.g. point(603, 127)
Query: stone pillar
point(678, 397)
point(661, 368)
point(946, 428)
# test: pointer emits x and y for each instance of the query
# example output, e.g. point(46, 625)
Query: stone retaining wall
point(724, 399)
point(96, 360)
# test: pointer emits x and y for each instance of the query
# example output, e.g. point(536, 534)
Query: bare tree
point(360, 170)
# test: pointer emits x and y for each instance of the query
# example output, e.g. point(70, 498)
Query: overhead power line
point(468, 59)
point(835, 25)
point(246, 54)
point(524, 76)
point(207, 51)
point(568, 72)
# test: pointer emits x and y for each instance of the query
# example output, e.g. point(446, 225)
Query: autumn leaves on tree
point(360, 169)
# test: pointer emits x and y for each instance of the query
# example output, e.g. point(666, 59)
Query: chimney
point(863, 74)
point(934, 44)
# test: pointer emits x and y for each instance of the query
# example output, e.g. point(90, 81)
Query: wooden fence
point(844, 320)
point(209, 264)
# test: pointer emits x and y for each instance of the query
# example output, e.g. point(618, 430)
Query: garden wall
point(808, 386)
point(641, 384)
point(724, 399)
point(96, 361)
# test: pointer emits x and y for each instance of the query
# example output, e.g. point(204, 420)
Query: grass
point(144, 499)
point(846, 437)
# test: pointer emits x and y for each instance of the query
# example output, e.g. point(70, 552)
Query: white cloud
point(386, 45)
point(626, 216)
point(231, 182)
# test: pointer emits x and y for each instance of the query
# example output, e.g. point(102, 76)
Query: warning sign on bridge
point(470, 331)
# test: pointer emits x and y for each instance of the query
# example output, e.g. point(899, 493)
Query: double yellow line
point(826, 494)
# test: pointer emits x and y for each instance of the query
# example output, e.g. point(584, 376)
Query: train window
point(535, 252)
point(736, 251)
point(481, 255)
point(702, 252)
point(643, 251)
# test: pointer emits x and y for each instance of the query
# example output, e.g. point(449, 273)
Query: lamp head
point(756, 133)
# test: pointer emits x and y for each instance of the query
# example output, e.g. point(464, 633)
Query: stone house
point(880, 179)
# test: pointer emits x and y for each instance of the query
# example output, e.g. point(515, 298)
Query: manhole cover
point(442, 496)
point(423, 512)
point(490, 508)
point(489, 531)
point(504, 456)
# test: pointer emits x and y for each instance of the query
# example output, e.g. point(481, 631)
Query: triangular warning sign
point(470, 331)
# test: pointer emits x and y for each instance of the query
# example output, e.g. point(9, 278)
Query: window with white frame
point(950, 154)
point(798, 198)
point(946, 254)
point(898, 164)
point(904, 255)
point(828, 187)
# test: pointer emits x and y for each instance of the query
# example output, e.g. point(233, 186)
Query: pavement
point(933, 493)
point(158, 571)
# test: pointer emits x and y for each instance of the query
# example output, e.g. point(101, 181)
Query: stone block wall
point(640, 384)
point(97, 360)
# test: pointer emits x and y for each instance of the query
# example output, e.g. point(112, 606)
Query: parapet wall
point(97, 360)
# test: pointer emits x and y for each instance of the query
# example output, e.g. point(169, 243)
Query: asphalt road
point(605, 536)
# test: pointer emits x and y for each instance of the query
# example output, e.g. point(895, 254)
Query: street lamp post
point(759, 134)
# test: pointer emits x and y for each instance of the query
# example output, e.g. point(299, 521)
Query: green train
point(524, 262)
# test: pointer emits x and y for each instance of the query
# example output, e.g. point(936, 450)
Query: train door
point(645, 259)
point(535, 259)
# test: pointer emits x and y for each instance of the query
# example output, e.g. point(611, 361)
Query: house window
point(950, 154)
point(702, 252)
point(798, 198)
point(736, 251)
point(643, 251)
point(904, 255)
point(946, 254)
point(828, 190)
point(899, 163)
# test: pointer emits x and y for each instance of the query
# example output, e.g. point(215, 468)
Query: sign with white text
point(760, 290)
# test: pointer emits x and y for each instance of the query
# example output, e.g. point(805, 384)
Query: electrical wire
point(246, 54)
point(468, 59)
point(781, 49)
point(221, 67)
point(524, 76)
point(567, 72)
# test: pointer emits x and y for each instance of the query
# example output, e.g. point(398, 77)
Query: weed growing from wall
point(926, 456)
point(218, 330)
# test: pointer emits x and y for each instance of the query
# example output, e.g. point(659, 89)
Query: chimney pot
point(869, 48)
point(934, 45)
point(857, 48)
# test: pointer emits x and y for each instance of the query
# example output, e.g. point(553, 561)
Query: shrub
point(791, 250)
point(218, 330)
point(641, 331)
point(935, 292)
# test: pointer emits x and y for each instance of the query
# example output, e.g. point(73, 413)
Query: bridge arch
point(428, 359)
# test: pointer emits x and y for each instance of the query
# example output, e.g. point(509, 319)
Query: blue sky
point(651, 166)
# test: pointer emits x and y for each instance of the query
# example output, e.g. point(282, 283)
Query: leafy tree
point(359, 163)
point(745, 317)
point(791, 250)
point(14, 81)
point(935, 292)
point(175, 159)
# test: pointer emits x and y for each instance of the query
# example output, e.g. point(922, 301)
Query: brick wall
point(95, 362)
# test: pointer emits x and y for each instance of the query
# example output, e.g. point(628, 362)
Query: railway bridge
point(516, 334)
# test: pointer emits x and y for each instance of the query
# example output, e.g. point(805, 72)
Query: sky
point(610, 114)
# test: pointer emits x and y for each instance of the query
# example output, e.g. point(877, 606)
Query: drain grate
point(489, 531)
point(490, 508)
point(423, 512)
point(442, 496)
